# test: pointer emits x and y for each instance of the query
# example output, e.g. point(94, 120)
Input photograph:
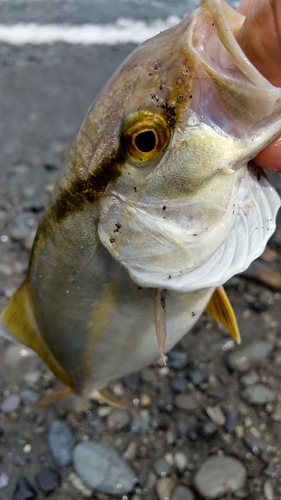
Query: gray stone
point(141, 422)
point(180, 461)
point(29, 397)
point(257, 445)
point(216, 415)
point(196, 375)
point(249, 378)
point(4, 480)
point(186, 402)
point(258, 394)
point(161, 467)
point(220, 475)
point(102, 469)
point(61, 442)
point(182, 493)
point(177, 358)
point(249, 356)
point(118, 419)
point(10, 403)
point(268, 490)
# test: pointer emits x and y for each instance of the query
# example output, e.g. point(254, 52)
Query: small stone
point(177, 358)
point(29, 397)
point(216, 415)
point(178, 383)
point(196, 375)
point(61, 442)
point(170, 437)
point(276, 415)
point(149, 376)
point(131, 452)
point(102, 469)
point(48, 479)
point(165, 487)
point(182, 493)
point(141, 422)
point(145, 400)
point(231, 477)
point(230, 423)
point(268, 491)
point(10, 404)
point(24, 490)
point(257, 445)
point(32, 378)
point(250, 355)
point(180, 461)
point(118, 419)
point(79, 486)
point(161, 467)
point(186, 402)
point(4, 480)
point(250, 378)
point(132, 381)
point(258, 394)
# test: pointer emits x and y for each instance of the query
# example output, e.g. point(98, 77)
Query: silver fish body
point(157, 194)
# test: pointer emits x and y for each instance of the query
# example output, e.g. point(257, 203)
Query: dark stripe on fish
point(88, 190)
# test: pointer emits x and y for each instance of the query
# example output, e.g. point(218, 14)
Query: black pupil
point(145, 141)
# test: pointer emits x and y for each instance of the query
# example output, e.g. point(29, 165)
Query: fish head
point(187, 210)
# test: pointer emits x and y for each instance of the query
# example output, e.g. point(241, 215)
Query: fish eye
point(145, 141)
point(144, 136)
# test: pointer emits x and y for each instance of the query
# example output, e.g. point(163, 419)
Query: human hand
point(260, 39)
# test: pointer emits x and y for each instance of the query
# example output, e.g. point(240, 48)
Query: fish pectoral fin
point(221, 310)
point(160, 321)
point(108, 398)
point(18, 319)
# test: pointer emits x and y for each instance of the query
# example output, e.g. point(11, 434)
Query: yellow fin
point(18, 319)
point(221, 310)
point(106, 397)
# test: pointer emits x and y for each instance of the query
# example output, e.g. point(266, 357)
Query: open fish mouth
point(207, 236)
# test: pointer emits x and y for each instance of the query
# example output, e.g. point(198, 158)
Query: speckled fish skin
point(182, 214)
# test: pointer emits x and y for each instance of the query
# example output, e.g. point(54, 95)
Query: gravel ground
point(205, 426)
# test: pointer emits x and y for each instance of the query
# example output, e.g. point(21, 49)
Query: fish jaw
point(213, 200)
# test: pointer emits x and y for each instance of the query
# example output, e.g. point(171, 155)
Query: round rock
point(61, 442)
point(258, 394)
point(48, 479)
point(220, 475)
point(10, 403)
point(182, 493)
point(249, 356)
point(102, 469)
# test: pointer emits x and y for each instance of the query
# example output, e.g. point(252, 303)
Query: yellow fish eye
point(144, 136)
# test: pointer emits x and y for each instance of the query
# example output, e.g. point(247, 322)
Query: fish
point(157, 205)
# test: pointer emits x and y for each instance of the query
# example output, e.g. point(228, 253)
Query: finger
point(270, 157)
point(260, 38)
point(245, 6)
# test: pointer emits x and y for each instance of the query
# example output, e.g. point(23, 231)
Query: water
point(89, 22)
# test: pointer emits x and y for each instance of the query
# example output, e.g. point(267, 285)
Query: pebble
point(182, 493)
point(141, 423)
point(79, 486)
point(177, 358)
point(102, 469)
point(178, 383)
point(29, 397)
point(180, 461)
point(249, 356)
point(4, 480)
point(216, 415)
point(165, 487)
point(268, 490)
point(231, 477)
point(186, 402)
point(161, 467)
point(32, 377)
point(231, 422)
point(249, 378)
point(131, 451)
point(48, 479)
point(196, 375)
point(258, 394)
point(10, 403)
point(257, 445)
point(61, 442)
point(24, 490)
point(118, 419)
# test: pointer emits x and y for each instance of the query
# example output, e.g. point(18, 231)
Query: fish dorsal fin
point(221, 310)
point(18, 320)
